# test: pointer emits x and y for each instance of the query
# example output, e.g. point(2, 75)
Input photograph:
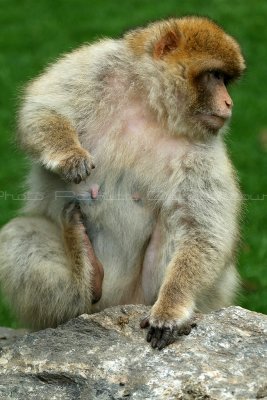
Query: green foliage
point(33, 33)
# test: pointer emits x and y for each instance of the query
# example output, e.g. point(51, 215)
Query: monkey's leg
point(40, 280)
point(77, 243)
point(52, 139)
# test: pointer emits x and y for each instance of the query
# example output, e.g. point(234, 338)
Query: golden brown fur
point(161, 206)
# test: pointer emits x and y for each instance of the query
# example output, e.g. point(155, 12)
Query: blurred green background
point(33, 34)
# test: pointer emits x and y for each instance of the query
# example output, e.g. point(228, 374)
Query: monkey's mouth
point(213, 121)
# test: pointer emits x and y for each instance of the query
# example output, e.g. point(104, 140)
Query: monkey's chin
point(212, 122)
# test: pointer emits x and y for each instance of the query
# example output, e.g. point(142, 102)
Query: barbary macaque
point(136, 185)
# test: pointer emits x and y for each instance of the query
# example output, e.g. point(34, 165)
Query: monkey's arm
point(207, 218)
point(52, 139)
point(56, 107)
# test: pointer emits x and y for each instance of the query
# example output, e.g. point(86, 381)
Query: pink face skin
point(220, 106)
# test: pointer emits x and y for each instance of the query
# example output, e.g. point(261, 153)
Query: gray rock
point(8, 335)
point(105, 356)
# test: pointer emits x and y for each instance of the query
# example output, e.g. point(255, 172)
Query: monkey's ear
point(166, 44)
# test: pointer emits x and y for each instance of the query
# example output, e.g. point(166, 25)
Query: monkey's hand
point(164, 329)
point(75, 166)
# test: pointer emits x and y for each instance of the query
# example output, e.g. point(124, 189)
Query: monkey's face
point(201, 60)
point(200, 104)
point(211, 107)
point(196, 60)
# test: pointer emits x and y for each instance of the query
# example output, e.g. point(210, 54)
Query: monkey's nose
point(229, 102)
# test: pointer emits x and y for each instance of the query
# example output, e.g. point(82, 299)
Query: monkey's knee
point(35, 275)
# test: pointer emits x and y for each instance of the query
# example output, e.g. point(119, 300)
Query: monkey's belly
point(119, 224)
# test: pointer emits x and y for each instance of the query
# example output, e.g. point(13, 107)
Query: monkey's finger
point(166, 338)
point(88, 167)
point(150, 334)
point(78, 179)
point(156, 337)
point(164, 343)
point(158, 333)
point(80, 170)
point(154, 342)
point(144, 323)
point(83, 170)
point(186, 329)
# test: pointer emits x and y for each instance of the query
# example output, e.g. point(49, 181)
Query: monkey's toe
point(71, 213)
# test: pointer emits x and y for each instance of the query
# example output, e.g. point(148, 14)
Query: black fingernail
point(161, 344)
point(158, 333)
point(149, 337)
point(144, 323)
point(78, 179)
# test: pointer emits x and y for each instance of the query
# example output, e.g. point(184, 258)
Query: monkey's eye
point(220, 76)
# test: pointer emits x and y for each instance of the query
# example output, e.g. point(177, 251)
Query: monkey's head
point(187, 65)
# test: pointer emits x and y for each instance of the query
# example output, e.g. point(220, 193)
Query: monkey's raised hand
point(54, 142)
point(161, 336)
point(74, 166)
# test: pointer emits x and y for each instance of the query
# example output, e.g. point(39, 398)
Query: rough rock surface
point(105, 356)
point(8, 335)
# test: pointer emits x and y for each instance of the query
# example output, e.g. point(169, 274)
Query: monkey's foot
point(76, 167)
point(162, 334)
point(71, 214)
